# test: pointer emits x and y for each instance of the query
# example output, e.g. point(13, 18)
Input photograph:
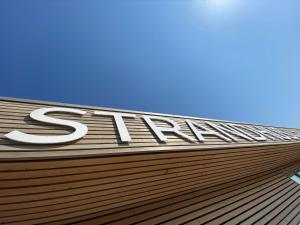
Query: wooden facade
point(101, 180)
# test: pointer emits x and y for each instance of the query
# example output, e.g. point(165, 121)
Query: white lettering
point(160, 130)
point(228, 131)
point(242, 129)
point(39, 115)
point(204, 131)
point(118, 117)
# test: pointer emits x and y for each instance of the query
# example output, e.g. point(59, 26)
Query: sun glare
point(219, 3)
point(217, 8)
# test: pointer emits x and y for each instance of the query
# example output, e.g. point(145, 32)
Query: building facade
point(70, 164)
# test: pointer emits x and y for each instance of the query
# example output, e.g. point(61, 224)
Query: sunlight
point(219, 3)
point(215, 9)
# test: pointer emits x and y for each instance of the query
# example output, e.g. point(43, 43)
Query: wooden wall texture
point(99, 180)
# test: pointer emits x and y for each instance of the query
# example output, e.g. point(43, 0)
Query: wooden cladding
point(103, 137)
point(101, 180)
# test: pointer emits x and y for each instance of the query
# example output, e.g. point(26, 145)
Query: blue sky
point(225, 59)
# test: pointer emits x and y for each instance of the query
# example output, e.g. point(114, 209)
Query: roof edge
point(129, 111)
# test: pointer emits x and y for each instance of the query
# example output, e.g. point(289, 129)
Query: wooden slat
point(182, 202)
point(100, 180)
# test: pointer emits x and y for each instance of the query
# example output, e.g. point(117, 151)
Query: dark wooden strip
point(171, 169)
point(253, 205)
point(280, 216)
point(153, 209)
point(195, 211)
point(73, 163)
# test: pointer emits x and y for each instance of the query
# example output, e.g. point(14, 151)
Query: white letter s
point(39, 115)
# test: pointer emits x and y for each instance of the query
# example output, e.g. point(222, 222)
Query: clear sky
point(225, 59)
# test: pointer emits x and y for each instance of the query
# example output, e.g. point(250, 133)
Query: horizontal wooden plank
point(146, 210)
point(99, 179)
